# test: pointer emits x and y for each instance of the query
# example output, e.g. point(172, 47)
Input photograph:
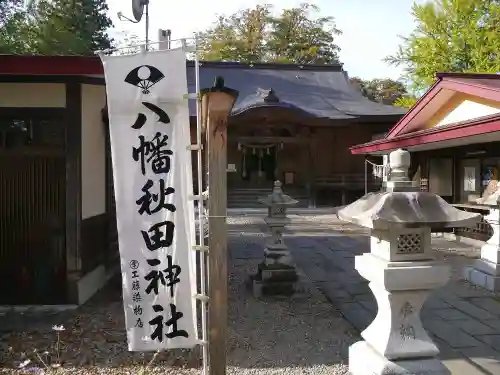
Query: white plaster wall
point(93, 151)
point(32, 95)
point(468, 110)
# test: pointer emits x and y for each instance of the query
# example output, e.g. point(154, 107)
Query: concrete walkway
point(463, 320)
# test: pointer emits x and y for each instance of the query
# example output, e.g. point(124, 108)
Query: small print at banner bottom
point(150, 133)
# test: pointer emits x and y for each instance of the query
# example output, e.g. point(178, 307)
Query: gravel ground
point(303, 335)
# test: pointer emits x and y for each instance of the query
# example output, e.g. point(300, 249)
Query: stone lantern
point(402, 272)
point(277, 274)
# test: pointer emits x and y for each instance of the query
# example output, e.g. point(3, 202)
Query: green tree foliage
point(56, 27)
point(12, 26)
point(385, 91)
point(405, 101)
point(9, 8)
point(255, 35)
point(451, 36)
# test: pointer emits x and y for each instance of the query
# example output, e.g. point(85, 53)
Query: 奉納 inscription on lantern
point(406, 310)
point(406, 330)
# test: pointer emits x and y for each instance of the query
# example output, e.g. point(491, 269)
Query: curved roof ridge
point(268, 65)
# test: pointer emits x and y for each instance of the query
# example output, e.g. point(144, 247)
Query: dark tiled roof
point(316, 90)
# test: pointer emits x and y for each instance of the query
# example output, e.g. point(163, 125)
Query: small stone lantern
point(277, 274)
point(402, 272)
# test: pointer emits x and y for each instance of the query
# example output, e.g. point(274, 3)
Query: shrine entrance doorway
point(265, 146)
point(258, 164)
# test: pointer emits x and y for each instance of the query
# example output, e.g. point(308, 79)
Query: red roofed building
point(453, 134)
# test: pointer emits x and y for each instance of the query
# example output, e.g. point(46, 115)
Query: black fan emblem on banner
point(144, 77)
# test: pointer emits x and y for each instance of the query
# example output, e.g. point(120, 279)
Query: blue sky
point(370, 28)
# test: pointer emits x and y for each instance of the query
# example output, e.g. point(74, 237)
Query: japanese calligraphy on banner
point(149, 131)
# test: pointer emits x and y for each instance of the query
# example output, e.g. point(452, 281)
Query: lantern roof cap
point(415, 209)
point(277, 198)
point(401, 205)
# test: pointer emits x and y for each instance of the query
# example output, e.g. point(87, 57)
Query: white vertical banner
point(150, 135)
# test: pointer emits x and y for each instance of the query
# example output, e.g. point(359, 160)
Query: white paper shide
point(149, 131)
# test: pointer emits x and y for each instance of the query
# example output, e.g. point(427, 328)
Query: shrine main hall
point(293, 123)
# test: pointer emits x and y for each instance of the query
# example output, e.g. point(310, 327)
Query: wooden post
point(217, 244)
point(217, 103)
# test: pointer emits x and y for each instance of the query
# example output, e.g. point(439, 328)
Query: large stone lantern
point(402, 272)
point(276, 274)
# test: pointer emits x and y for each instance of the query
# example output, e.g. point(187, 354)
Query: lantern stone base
point(275, 280)
point(396, 336)
point(364, 360)
point(485, 272)
point(277, 256)
point(477, 275)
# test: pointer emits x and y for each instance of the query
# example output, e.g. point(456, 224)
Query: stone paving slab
point(483, 358)
point(475, 327)
point(436, 303)
point(494, 323)
point(464, 320)
point(356, 314)
point(449, 333)
point(491, 340)
point(470, 309)
point(487, 303)
point(450, 314)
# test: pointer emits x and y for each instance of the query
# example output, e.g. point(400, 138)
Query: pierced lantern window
point(277, 211)
point(410, 243)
